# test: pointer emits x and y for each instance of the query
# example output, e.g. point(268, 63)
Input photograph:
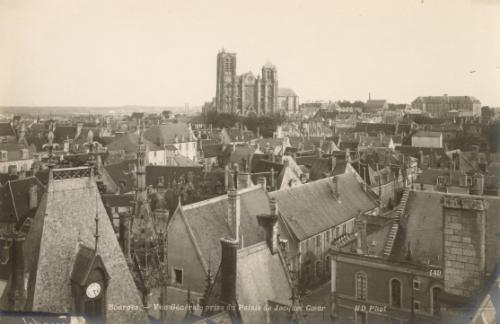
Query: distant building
point(427, 139)
point(288, 101)
point(440, 106)
point(376, 105)
point(246, 93)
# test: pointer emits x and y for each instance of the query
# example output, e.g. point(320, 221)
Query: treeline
point(266, 124)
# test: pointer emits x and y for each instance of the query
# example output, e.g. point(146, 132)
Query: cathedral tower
point(226, 82)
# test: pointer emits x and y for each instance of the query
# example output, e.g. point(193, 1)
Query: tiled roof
point(124, 200)
point(423, 229)
point(6, 130)
point(261, 277)
point(130, 143)
point(207, 220)
point(427, 134)
point(311, 208)
point(14, 199)
point(165, 134)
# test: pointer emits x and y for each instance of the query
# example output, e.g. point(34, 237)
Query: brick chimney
point(464, 239)
point(270, 225)
point(228, 271)
point(233, 213)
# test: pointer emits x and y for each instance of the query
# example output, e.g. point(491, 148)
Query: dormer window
point(3, 156)
point(89, 281)
point(468, 181)
point(441, 181)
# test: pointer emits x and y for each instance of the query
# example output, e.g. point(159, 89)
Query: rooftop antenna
point(96, 224)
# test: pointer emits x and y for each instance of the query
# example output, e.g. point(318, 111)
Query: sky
point(163, 52)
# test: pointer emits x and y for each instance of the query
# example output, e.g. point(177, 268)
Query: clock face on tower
point(93, 290)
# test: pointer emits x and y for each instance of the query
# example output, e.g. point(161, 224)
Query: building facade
point(445, 105)
point(246, 93)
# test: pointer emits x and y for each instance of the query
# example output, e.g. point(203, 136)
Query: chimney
point(227, 176)
point(33, 197)
point(16, 295)
point(477, 187)
point(319, 152)
point(361, 244)
point(464, 238)
point(334, 163)
point(233, 213)
point(228, 264)
point(270, 225)
point(335, 188)
point(262, 182)
point(244, 180)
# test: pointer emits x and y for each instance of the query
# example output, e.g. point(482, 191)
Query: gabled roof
point(207, 221)
point(65, 220)
point(388, 129)
point(130, 143)
point(427, 134)
point(14, 199)
point(6, 129)
point(166, 133)
point(311, 208)
point(262, 277)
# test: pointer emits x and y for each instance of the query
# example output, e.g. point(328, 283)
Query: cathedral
point(246, 93)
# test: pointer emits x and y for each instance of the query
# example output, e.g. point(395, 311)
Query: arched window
point(435, 306)
point(395, 293)
point(361, 282)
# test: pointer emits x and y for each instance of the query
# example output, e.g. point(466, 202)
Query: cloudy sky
point(163, 52)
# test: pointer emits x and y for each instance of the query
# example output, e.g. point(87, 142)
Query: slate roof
point(14, 199)
point(388, 129)
point(130, 143)
point(122, 173)
point(423, 229)
point(261, 277)
point(323, 166)
point(166, 133)
point(311, 208)
point(211, 150)
point(207, 220)
point(6, 129)
point(123, 200)
point(427, 134)
point(14, 150)
point(64, 221)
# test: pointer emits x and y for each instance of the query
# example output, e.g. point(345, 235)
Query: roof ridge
point(218, 198)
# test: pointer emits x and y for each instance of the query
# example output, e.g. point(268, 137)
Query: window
point(361, 282)
point(178, 276)
point(328, 264)
point(318, 269)
point(395, 293)
point(361, 318)
point(3, 155)
point(416, 305)
point(318, 241)
point(328, 236)
point(416, 284)
point(441, 181)
point(468, 181)
point(344, 228)
point(337, 231)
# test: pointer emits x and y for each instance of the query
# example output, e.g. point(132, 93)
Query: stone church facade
point(246, 93)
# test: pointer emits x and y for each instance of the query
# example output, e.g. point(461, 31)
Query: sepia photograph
point(234, 162)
